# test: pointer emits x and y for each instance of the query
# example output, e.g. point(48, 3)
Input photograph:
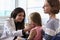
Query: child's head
point(36, 18)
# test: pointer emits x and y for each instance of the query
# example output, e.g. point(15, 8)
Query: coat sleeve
point(6, 31)
point(9, 32)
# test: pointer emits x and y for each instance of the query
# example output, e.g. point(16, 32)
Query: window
point(33, 6)
point(6, 6)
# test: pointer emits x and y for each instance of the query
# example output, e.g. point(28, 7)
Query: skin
point(47, 10)
point(19, 17)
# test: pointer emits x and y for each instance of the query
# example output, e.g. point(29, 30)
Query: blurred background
point(6, 7)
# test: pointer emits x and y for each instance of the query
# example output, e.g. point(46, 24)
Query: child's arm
point(32, 34)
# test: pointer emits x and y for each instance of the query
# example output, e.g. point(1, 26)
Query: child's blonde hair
point(36, 18)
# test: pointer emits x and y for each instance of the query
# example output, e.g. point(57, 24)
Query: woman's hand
point(28, 27)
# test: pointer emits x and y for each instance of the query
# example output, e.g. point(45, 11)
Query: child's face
point(32, 24)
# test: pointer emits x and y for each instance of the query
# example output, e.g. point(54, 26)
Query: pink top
point(38, 35)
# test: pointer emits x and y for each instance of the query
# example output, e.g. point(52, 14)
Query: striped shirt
point(52, 28)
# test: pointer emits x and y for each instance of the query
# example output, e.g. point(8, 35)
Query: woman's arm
point(9, 30)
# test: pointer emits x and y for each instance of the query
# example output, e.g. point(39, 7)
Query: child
point(36, 24)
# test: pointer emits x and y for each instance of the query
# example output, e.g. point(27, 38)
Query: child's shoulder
point(37, 28)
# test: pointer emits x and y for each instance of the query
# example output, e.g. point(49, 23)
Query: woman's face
point(19, 17)
point(46, 7)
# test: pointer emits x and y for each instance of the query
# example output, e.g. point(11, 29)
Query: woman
point(14, 25)
point(51, 7)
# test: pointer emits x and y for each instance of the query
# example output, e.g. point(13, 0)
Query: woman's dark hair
point(36, 18)
point(17, 11)
point(54, 5)
point(14, 14)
